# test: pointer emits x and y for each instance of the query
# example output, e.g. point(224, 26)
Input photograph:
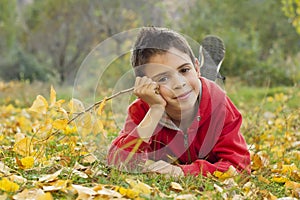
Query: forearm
point(147, 126)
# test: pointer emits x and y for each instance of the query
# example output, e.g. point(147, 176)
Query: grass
point(273, 134)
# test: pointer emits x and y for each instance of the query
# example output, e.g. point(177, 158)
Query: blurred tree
point(8, 17)
point(61, 33)
point(291, 9)
point(255, 33)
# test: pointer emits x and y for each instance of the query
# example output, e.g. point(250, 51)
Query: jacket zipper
point(186, 145)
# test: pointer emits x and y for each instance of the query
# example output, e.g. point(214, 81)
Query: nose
point(179, 81)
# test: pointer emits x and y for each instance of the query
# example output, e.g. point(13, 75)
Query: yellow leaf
point(263, 179)
point(8, 186)
point(60, 124)
point(24, 147)
point(52, 96)
point(27, 162)
point(292, 185)
point(260, 160)
point(57, 185)
point(70, 130)
point(75, 106)
point(139, 187)
point(101, 106)
point(46, 196)
point(128, 192)
point(288, 169)
point(98, 127)
point(40, 105)
point(279, 179)
point(231, 172)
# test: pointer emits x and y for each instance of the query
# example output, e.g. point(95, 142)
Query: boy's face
point(178, 80)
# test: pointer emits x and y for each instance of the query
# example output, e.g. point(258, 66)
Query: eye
point(184, 70)
point(162, 79)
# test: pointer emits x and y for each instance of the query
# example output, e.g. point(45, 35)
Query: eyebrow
point(165, 73)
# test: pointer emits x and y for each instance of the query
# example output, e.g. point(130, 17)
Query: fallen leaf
point(139, 186)
point(260, 160)
point(278, 178)
point(29, 194)
point(104, 192)
point(231, 172)
point(186, 197)
point(89, 158)
point(263, 179)
point(4, 169)
point(3, 197)
point(24, 147)
point(84, 192)
point(27, 162)
point(46, 196)
point(57, 185)
point(130, 193)
point(8, 186)
point(17, 179)
point(50, 177)
point(176, 187)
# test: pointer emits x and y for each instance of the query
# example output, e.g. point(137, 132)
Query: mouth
point(183, 96)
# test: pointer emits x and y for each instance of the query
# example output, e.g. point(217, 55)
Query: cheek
point(165, 91)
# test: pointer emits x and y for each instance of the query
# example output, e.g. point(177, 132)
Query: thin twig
point(90, 108)
point(99, 102)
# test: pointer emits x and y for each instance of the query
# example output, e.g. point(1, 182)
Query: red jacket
point(213, 141)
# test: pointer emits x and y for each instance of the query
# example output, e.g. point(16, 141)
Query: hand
point(163, 167)
point(148, 91)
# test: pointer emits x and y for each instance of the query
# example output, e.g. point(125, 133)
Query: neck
point(184, 119)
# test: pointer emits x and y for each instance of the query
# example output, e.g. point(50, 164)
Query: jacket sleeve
point(128, 151)
point(230, 148)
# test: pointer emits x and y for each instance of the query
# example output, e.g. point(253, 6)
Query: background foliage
point(48, 40)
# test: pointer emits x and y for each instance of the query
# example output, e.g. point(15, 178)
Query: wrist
point(157, 107)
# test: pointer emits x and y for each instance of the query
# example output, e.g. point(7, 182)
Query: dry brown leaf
point(17, 179)
point(29, 194)
point(185, 197)
point(50, 177)
point(84, 192)
point(104, 192)
point(3, 196)
point(57, 185)
point(176, 187)
point(89, 158)
point(4, 169)
point(260, 160)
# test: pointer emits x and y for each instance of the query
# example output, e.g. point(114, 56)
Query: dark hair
point(154, 40)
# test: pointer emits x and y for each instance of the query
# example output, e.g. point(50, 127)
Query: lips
point(183, 96)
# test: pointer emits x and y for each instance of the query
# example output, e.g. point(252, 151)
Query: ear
point(197, 67)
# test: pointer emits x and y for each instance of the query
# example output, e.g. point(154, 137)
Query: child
point(183, 122)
